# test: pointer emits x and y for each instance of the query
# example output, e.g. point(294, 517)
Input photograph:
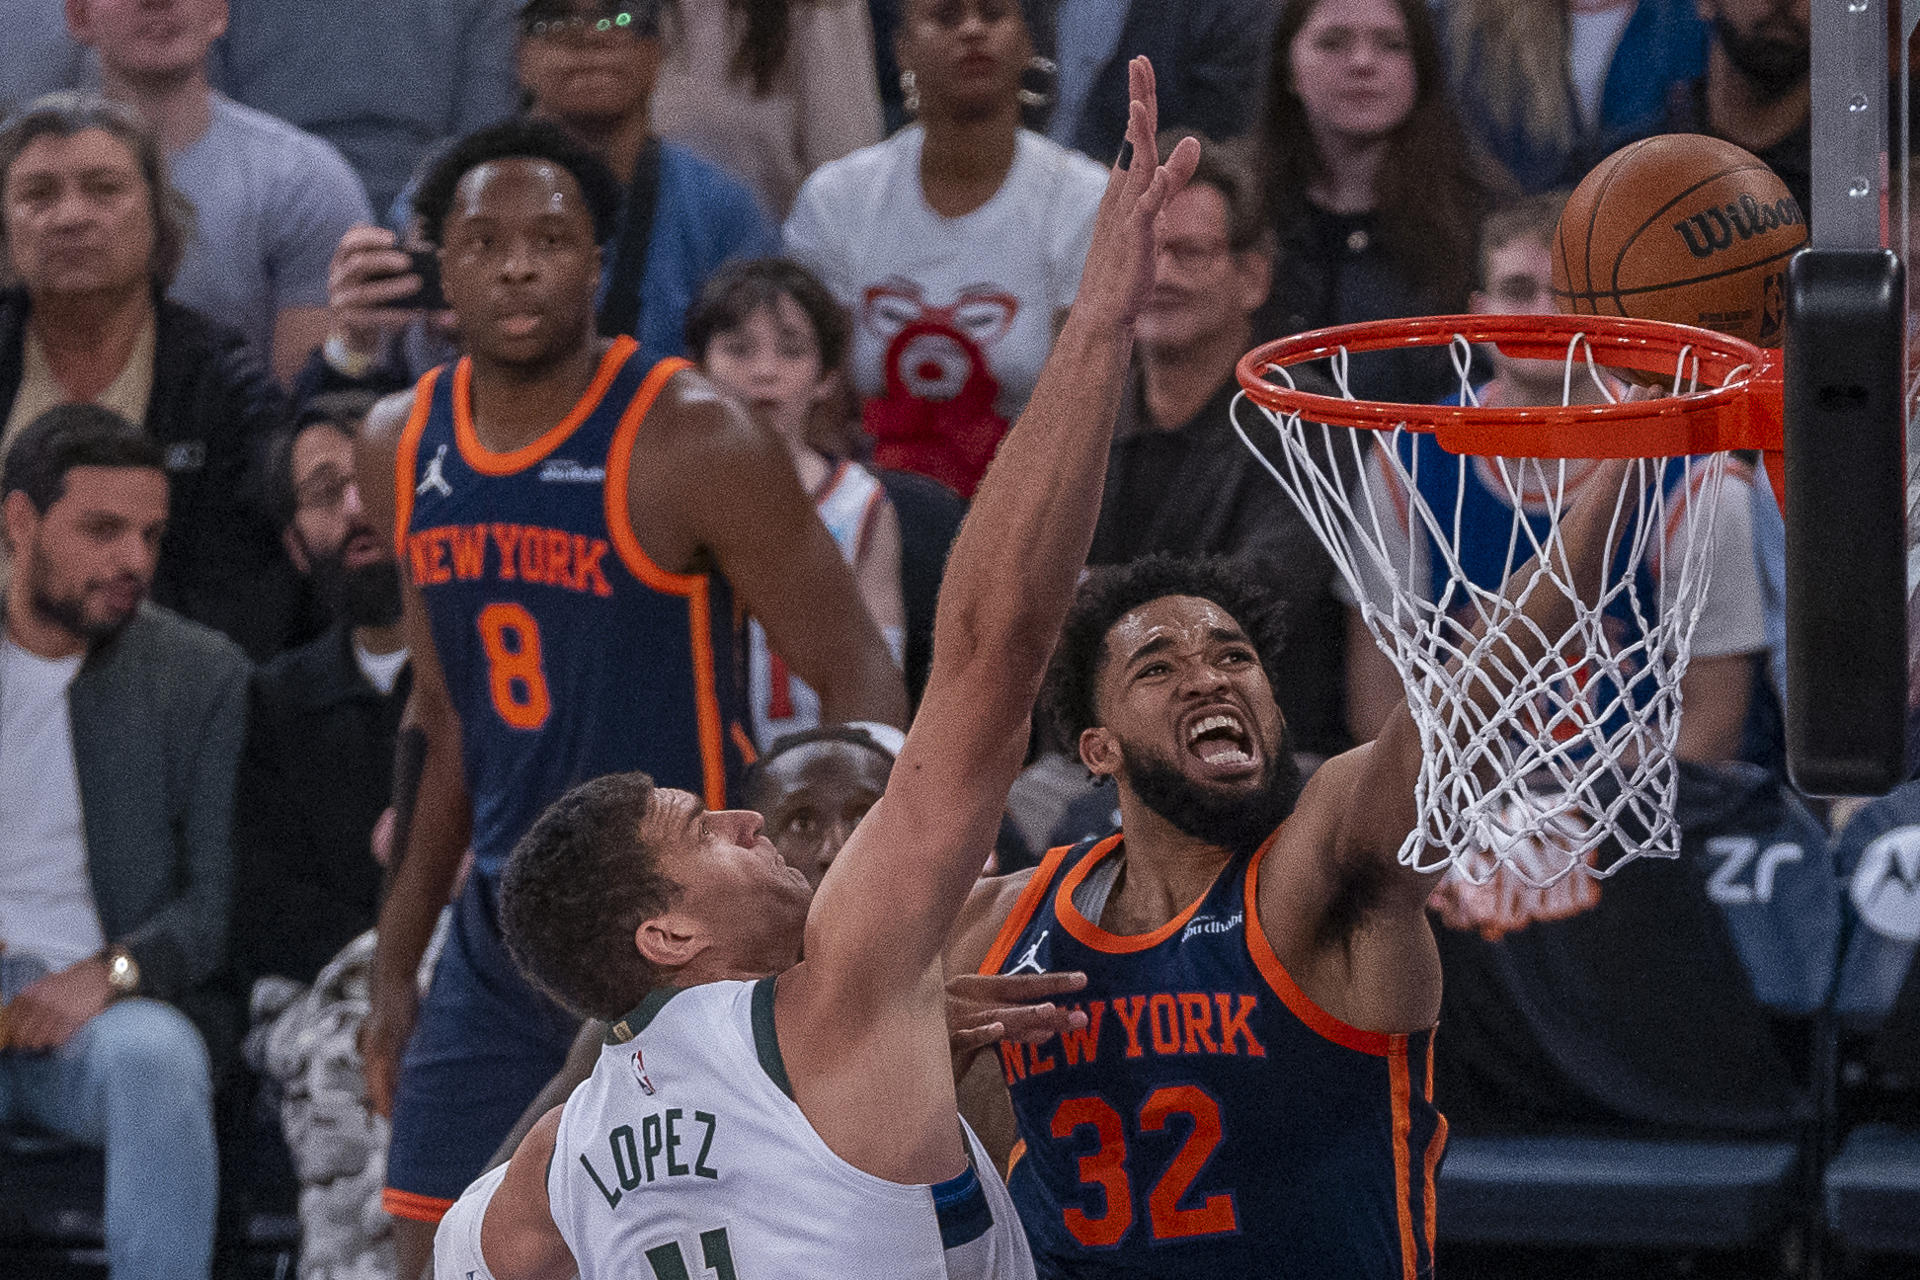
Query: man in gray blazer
point(120, 728)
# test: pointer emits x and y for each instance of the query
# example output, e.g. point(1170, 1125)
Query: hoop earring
point(910, 92)
point(1049, 71)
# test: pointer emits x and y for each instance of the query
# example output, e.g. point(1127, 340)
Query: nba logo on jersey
point(640, 1074)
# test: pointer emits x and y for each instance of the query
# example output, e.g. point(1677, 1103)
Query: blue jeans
point(135, 1082)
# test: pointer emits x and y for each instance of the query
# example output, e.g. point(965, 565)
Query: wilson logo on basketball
point(1711, 230)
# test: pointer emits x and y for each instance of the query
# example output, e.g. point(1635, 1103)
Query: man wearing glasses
point(591, 67)
point(1178, 480)
point(317, 771)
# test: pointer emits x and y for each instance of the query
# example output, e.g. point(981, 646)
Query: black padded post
point(1846, 521)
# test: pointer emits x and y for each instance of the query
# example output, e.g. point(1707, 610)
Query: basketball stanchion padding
point(1559, 762)
point(1846, 510)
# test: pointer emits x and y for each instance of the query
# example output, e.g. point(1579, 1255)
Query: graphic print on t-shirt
point(940, 385)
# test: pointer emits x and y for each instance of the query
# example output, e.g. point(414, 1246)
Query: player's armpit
point(518, 1237)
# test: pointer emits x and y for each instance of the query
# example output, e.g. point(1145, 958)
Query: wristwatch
point(123, 972)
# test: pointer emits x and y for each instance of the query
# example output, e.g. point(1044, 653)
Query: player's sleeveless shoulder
point(568, 652)
point(1210, 1119)
point(685, 1154)
point(456, 1242)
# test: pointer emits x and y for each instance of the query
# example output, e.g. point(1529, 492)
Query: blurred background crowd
point(863, 220)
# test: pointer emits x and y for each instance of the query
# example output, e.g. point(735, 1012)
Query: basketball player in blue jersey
point(574, 522)
point(1251, 1091)
point(805, 1124)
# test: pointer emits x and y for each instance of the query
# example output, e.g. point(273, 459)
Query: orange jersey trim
point(1014, 1156)
point(1399, 1084)
point(489, 463)
point(407, 456)
point(1023, 908)
point(1092, 934)
point(743, 744)
point(692, 587)
point(1378, 1043)
point(405, 1204)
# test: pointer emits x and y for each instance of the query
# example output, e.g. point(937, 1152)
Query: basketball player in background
point(733, 1124)
point(1251, 1091)
point(571, 612)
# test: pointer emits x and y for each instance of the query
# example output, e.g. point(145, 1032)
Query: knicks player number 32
point(515, 677)
point(1106, 1166)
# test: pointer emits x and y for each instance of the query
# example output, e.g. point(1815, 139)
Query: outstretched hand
point(1118, 277)
point(984, 1009)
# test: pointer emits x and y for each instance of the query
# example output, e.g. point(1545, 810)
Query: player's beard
point(1775, 65)
point(1238, 820)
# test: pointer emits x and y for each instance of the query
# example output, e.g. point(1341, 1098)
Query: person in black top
point(317, 770)
point(1178, 479)
point(1371, 182)
point(1757, 91)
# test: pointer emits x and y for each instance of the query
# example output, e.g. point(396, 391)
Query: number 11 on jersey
point(716, 1255)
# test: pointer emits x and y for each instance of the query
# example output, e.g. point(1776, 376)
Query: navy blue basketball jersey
point(1210, 1120)
point(568, 653)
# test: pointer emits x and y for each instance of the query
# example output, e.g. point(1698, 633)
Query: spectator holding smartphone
point(387, 323)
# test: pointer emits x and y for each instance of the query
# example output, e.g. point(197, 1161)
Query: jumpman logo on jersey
point(435, 477)
point(1031, 956)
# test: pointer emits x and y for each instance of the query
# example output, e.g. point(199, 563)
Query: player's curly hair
point(577, 887)
point(1111, 593)
point(525, 140)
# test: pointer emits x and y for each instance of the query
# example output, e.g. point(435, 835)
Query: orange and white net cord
point(1546, 757)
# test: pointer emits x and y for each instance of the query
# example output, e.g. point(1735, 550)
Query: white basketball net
point(1543, 765)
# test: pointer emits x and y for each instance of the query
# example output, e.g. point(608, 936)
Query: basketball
point(1681, 228)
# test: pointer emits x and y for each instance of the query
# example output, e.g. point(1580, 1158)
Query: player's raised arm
point(770, 543)
point(1384, 770)
point(883, 913)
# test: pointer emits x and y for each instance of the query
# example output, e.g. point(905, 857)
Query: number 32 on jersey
point(1105, 1167)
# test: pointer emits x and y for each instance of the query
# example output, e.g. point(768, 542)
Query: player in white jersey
point(749, 1125)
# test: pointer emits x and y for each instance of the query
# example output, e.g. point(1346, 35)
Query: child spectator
point(957, 244)
point(1730, 714)
point(1371, 183)
point(768, 89)
point(770, 334)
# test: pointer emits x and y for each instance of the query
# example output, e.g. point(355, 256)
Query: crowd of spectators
point(864, 220)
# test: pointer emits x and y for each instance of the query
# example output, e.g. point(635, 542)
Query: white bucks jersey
point(684, 1157)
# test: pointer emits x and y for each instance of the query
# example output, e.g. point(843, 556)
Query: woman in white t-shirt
point(955, 243)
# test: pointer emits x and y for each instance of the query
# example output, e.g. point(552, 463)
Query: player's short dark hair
point(578, 886)
point(345, 409)
point(517, 140)
point(739, 289)
point(1111, 593)
point(69, 436)
point(852, 735)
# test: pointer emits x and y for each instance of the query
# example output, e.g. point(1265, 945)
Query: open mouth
point(1220, 739)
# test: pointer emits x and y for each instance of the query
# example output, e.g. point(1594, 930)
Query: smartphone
point(426, 265)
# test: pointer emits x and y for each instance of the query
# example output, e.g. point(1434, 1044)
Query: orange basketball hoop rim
point(1737, 403)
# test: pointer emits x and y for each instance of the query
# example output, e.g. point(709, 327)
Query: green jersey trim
point(635, 1022)
point(765, 1042)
